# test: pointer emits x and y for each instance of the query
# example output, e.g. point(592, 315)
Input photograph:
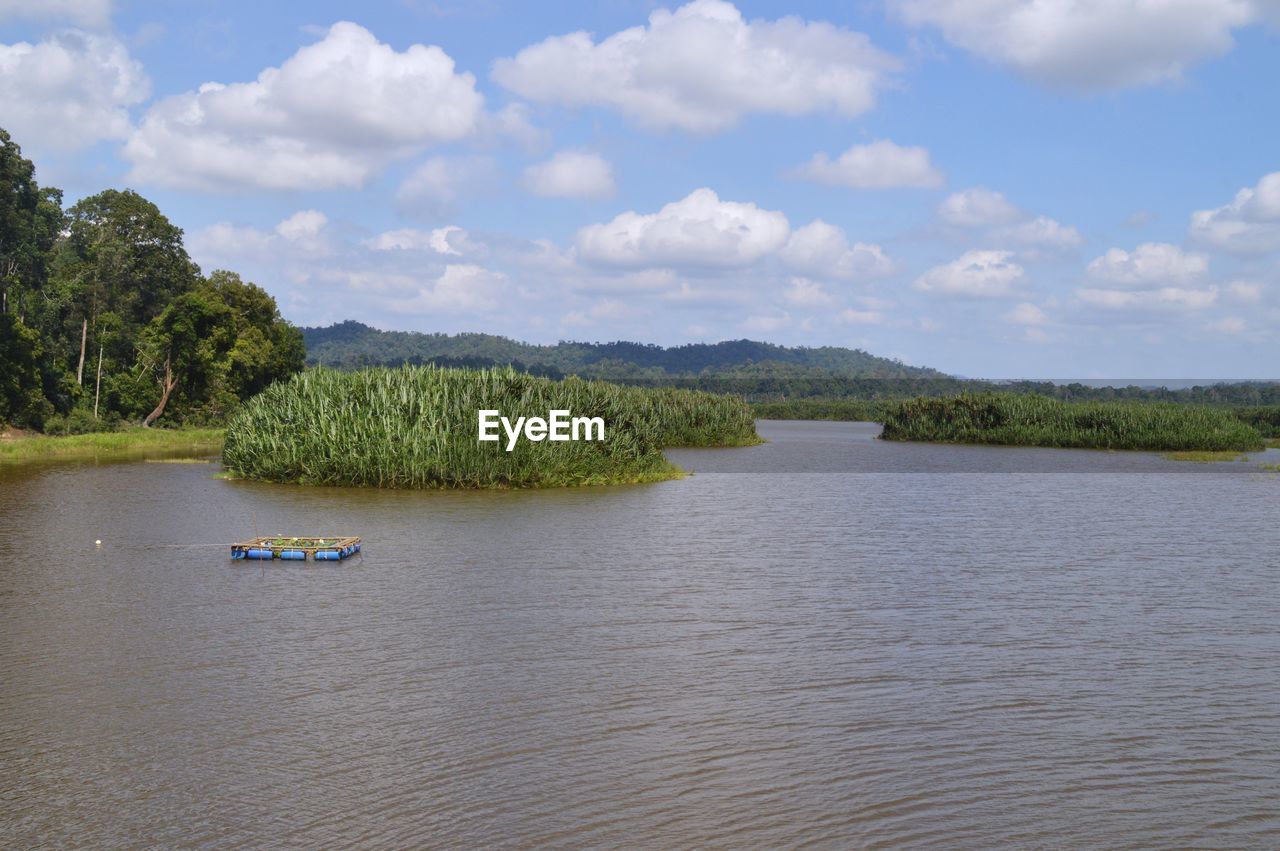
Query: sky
point(995, 188)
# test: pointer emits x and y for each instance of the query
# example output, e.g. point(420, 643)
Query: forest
point(105, 320)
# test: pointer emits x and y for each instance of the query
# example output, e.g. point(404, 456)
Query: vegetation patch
point(130, 443)
point(1015, 420)
point(1203, 457)
point(417, 427)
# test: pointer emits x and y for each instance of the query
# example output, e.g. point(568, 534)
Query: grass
point(1206, 457)
point(1029, 420)
point(417, 427)
point(131, 443)
point(1271, 442)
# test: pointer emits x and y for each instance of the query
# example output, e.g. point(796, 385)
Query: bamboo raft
point(335, 548)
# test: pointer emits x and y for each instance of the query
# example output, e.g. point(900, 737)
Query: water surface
point(826, 640)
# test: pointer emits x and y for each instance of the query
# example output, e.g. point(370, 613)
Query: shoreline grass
point(417, 427)
point(1028, 420)
point(1206, 457)
point(131, 443)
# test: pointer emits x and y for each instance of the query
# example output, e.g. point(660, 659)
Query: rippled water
point(827, 640)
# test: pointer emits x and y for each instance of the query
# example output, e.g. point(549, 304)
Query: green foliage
point(79, 421)
point(351, 345)
point(1029, 420)
point(846, 410)
point(110, 282)
point(1265, 419)
point(417, 427)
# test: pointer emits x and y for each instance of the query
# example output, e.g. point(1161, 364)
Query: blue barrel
point(327, 555)
point(357, 546)
point(294, 555)
point(259, 553)
point(236, 554)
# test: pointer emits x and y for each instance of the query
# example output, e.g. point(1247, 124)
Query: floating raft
point(334, 548)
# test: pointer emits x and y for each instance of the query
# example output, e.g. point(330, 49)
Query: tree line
point(105, 319)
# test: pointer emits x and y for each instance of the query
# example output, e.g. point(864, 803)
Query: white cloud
point(699, 230)
point(1245, 291)
point(1041, 232)
point(1161, 298)
point(978, 207)
point(702, 68)
point(435, 185)
point(1250, 224)
point(571, 174)
point(451, 240)
point(822, 250)
point(1228, 325)
point(1150, 264)
point(1088, 44)
point(330, 116)
point(803, 292)
point(1026, 314)
point(977, 274)
point(878, 165)
point(85, 13)
point(860, 317)
point(461, 288)
point(69, 91)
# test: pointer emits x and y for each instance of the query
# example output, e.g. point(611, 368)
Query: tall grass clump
point(1029, 420)
point(417, 427)
point(1264, 419)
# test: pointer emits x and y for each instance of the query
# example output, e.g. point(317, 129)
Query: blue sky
point(991, 187)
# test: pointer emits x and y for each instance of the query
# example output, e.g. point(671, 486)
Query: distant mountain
point(351, 345)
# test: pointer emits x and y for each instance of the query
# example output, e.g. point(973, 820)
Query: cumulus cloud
point(330, 116)
point(699, 230)
point(1093, 45)
point(85, 13)
point(69, 91)
point(436, 184)
point(1026, 314)
point(803, 292)
point(1245, 291)
point(451, 240)
point(1005, 222)
point(978, 207)
point(878, 165)
point(1250, 224)
point(1150, 264)
point(571, 174)
point(1041, 232)
point(702, 68)
point(975, 274)
point(461, 288)
point(822, 250)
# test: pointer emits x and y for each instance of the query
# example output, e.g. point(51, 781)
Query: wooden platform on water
point(267, 547)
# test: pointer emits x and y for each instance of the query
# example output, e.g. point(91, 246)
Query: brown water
point(827, 640)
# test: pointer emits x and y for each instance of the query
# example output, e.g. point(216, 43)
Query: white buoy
point(98, 543)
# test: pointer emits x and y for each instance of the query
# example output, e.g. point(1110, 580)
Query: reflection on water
point(823, 640)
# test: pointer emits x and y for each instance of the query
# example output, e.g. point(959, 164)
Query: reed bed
point(417, 427)
point(1030, 420)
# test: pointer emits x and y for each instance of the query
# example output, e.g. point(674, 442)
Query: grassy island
point(1029, 420)
point(417, 427)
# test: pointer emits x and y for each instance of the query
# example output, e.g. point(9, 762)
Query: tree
point(215, 345)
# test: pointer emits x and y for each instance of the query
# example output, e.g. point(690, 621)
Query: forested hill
point(350, 345)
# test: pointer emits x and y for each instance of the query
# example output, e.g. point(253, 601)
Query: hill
point(353, 345)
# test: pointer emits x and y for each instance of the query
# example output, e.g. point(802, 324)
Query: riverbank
point(1029, 420)
point(19, 448)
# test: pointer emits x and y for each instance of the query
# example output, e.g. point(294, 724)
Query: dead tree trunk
point(97, 390)
point(84, 338)
point(166, 387)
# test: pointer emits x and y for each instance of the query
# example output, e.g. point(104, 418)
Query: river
point(826, 640)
